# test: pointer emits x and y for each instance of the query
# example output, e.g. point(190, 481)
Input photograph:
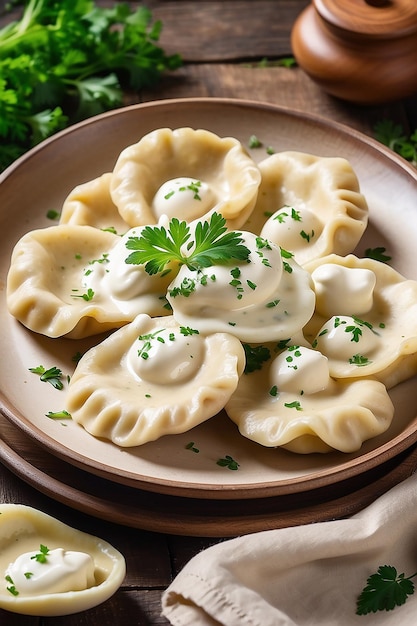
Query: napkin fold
point(308, 575)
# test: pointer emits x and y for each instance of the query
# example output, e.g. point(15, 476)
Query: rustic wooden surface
point(225, 46)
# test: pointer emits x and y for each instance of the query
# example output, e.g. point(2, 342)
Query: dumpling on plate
point(293, 402)
point(184, 173)
point(72, 281)
point(90, 204)
point(310, 205)
point(152, 378)
point(265, 297)
point(365, 320)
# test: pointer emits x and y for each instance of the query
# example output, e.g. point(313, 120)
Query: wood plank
point(213, 30)
point(288, 87)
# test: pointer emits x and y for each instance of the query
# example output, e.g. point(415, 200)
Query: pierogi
point(310, 205)
point(184, 173)
point(70, 281)
point(365, 320)
point(153, 378)
point(293, 402)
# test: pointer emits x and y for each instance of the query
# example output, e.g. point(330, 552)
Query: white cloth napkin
point(307, 575)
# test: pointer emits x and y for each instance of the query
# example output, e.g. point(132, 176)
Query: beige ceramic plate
point(41, 180)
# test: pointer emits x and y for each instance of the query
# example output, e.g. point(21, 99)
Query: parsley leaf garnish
point(228, 462)
point(157, 246)
point(52, 375)
point(384, 591)
point(377, 254)
point(256, 356)
point(40, 556)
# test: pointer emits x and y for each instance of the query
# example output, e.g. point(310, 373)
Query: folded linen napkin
point(307, 575)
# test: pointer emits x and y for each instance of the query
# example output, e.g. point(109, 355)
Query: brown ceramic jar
point(363, 51)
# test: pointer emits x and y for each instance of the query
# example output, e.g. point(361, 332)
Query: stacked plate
point(176, 484)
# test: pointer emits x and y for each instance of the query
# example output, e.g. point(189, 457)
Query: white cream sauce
point(62, 571)
point(185, 198)
point(347, 289)
point(300, 370)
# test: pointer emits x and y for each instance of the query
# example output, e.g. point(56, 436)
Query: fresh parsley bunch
point(66, 60)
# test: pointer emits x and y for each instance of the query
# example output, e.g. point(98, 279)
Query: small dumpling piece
point(71, 281)
point(80, 571)
point(153, 378)
point(365, 320)
point(184, 173)
point(90, 204)
point(310, 205)
point(266, 297)
point(293, 402)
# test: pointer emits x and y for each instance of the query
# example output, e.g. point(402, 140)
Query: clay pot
point(363, 51)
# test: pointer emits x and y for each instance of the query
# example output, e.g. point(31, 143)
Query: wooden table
point(224, 46)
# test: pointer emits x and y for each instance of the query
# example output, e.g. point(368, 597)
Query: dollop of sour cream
point(129, 287)
point(166, 356)
point(255, 300)
point(300, 370)
point(342, 337)
point(60, 571)
point(347, 289)
point(185, 198)
point(292, 228)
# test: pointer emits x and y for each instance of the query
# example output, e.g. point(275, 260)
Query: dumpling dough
point(265, 298)
point(314, 205)
point(153, 378)
point(213, 166)
point(52, 271)
point(90, 204)
point(366, 326)
point(296, 405)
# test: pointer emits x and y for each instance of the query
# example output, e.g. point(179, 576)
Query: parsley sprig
point(65, 61)
point(157, 247)
point(384, 591)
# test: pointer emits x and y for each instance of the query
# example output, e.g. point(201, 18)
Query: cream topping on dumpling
point(56, 571)
point(127, 286)
point(166, 356)
point(183, 196)
point(300, 370)
point(339, 288)
point(266, 297)
point(345, 338)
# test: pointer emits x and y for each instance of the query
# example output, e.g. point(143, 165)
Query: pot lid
point(375, 18)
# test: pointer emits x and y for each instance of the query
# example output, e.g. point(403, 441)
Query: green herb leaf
point(228, 462)
point(384, 591)
point(52, 375)
point(64, 61)
point(157, 247)
point(378, 254)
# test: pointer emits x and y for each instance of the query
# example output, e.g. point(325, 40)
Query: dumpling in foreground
point(310, 205)
point(184, 173)
point(292, 402)
point(152, 378)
